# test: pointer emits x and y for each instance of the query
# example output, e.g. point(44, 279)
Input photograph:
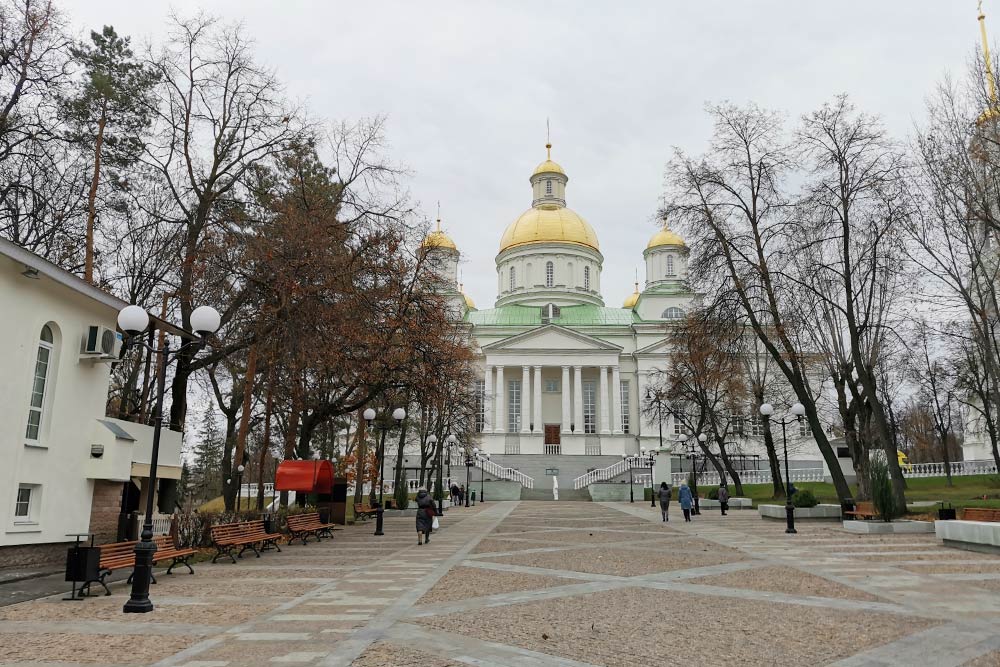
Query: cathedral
point(562, 373)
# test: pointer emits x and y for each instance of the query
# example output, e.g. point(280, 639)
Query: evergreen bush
point(881, 489)
point(401, 496)
point(713, 494)
point(804, 498)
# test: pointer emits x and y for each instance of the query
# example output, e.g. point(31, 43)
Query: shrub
point(401, 495)
point(804, 498)
point(881, 488)
point(713, 494)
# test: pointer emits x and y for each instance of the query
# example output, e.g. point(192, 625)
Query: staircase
point(564, 494)
point(538, 467)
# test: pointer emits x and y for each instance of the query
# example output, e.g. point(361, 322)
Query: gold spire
point(437, 238)
point(993, 109)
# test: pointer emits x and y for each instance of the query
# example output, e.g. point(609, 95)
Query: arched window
point(550, 274)
point(513, 279)
point(42, 361)
point(548, 186)
point(670, 265)
point(673, 313)
point(586, 278)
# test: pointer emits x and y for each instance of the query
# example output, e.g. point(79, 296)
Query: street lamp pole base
point(378, 520)
point(139, 602)
point(790, 518)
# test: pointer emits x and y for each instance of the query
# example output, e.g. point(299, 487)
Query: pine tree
point(206, 472)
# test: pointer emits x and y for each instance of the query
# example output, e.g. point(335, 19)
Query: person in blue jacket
point(686, 500)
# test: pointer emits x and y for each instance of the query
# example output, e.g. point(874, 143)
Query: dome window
point(586, 278)
point(513, 279)
point(670, 265)
point(673, 313)
point(550, 274)
point(548, 186)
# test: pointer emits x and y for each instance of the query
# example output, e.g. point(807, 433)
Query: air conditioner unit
point(101, 342)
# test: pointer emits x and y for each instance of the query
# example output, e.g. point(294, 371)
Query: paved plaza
point(548, 584)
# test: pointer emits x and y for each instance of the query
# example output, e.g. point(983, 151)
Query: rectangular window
point(804, 429)
point(480, 405)
point(679, 426)
point(514, 406)
point(38, 392)
point(589, 408)
point(625, 406)
point(756, 425)
point(552, 385)
point(739, 424)
point(22, 507)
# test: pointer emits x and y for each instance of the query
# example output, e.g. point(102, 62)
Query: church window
point(550, 274)
point(514, 406)
point(40, 382)
point(589, 408)
point(673, 313)
point(513, 279)
point(480, 405)
point(670, 265)
point(586, 278)
point(625, 406)
point(548, 186)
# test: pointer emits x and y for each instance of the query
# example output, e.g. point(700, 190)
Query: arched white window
point(513, 279)
point(548, 186)
point(670, 265)
point(42, 362)
point(586, 278)
point(673, 313)
point(550, 274)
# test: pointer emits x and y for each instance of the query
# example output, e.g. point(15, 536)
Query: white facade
point(49, 474)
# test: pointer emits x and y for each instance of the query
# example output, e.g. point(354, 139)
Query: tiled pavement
point(548, 584)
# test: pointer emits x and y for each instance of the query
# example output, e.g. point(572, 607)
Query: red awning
point(304, 477)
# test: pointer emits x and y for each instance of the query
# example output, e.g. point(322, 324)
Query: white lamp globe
point(432, 439)
point(767, 409)
point(205, 320)
point(452, 439)
point(133, 320)
point(399, 414)
point(702, 437)
point(798, 409)
point(240, 468)
point(369, 414)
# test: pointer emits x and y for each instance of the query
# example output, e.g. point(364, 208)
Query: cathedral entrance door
point(552, 434)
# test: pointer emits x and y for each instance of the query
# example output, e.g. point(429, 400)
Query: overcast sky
point(467, 87)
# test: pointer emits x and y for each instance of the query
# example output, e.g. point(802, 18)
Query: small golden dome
point(664, 237)
point(549, 223)
point(469, 303)
point(438, 239)
point(548, 167)
point(632, 299)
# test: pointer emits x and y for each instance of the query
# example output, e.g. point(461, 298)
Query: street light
point(133, 320)
point(239, 485)
point(469, 462)
point(484, 456)
point(650, 459)
point(692, 450)
point(399, 414)
point(657, 398)
point(432, 441)
point(631, 491)
point(797, 410)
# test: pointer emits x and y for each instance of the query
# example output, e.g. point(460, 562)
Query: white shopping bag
point(436, 524)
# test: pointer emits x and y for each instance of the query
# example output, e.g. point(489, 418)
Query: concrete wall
point(611, 492)
point(499, 490)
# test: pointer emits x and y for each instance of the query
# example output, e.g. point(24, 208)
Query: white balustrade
point(609, 473)
point(958, 469)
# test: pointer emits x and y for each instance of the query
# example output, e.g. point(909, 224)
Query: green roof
point(569, 316)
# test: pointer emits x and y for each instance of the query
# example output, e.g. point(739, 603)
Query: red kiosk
point(314, 477)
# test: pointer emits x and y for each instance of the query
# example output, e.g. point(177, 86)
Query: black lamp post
point(484, 456)
point(649, 458)
point(133, 320)
point(631, 491)
point(432, 441)
point(692, 449)
point(399, 414)
point(796, 411)
point(239, 486)
point(469, 462)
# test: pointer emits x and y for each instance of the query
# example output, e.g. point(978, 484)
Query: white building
point(563, 374)
point(67, 468)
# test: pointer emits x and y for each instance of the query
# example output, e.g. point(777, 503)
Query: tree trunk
point(88, 264)
point(228, 481)
point(733, 473)
point(266, 445)
point(248, 380)
point(293, 427)
point(777, 484)
point(361, 447)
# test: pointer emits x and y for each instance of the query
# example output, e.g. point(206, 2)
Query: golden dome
point(548, 167)
point(469, 303)
point(664, 237)
point(549, 223)
point(438, 239)
point(632, 299)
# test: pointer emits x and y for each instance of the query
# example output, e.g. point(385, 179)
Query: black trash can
point(846, 505)
point(946, 513)
point(268, 523)
point(83, 563)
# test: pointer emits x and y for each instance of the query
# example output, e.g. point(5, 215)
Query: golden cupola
point(992, 111)
point(665, 237)
point(438, 239)
point(548, 220)
point(632, 298)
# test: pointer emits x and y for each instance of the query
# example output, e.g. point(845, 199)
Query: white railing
point(250, 490)
point(959, 468)
point(602, 474)
point(497, 470)
point(711, 477)
point(161, 524)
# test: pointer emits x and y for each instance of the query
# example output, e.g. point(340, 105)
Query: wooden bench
point(863, 510)
point(301, 526)
point(364, 511)
point(119, 555)
point(981, 514)
point(244, 535)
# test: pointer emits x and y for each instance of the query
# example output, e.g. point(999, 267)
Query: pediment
point(661, 346)
point(551, 338)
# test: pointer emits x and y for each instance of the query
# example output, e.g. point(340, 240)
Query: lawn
point(968, 491)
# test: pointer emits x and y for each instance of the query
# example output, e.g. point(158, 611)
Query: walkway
point(545, 584)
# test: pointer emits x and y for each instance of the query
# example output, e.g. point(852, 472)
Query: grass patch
point(967, 491)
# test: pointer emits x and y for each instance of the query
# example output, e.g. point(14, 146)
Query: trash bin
point(83, 563)
point(268, 523)
point(846, 505)
point(946, 513)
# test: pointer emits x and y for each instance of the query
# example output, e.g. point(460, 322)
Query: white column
point(536, 410)
point(501, 425)
point(578, 398)
point(525, 399)
point(564, 387)
point(605, 401)
point(616, 392)
point(488, 401)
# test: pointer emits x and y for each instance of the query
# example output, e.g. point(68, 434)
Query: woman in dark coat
point(664, 494)
point(425, 516)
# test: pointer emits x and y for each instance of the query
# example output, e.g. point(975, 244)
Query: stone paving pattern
point(540, 584)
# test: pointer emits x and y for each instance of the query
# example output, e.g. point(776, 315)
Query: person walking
point(686, 500)
point(454, 494)
point(664, 495)
point(425, 516)
point(724, 498)
point(461, 495)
